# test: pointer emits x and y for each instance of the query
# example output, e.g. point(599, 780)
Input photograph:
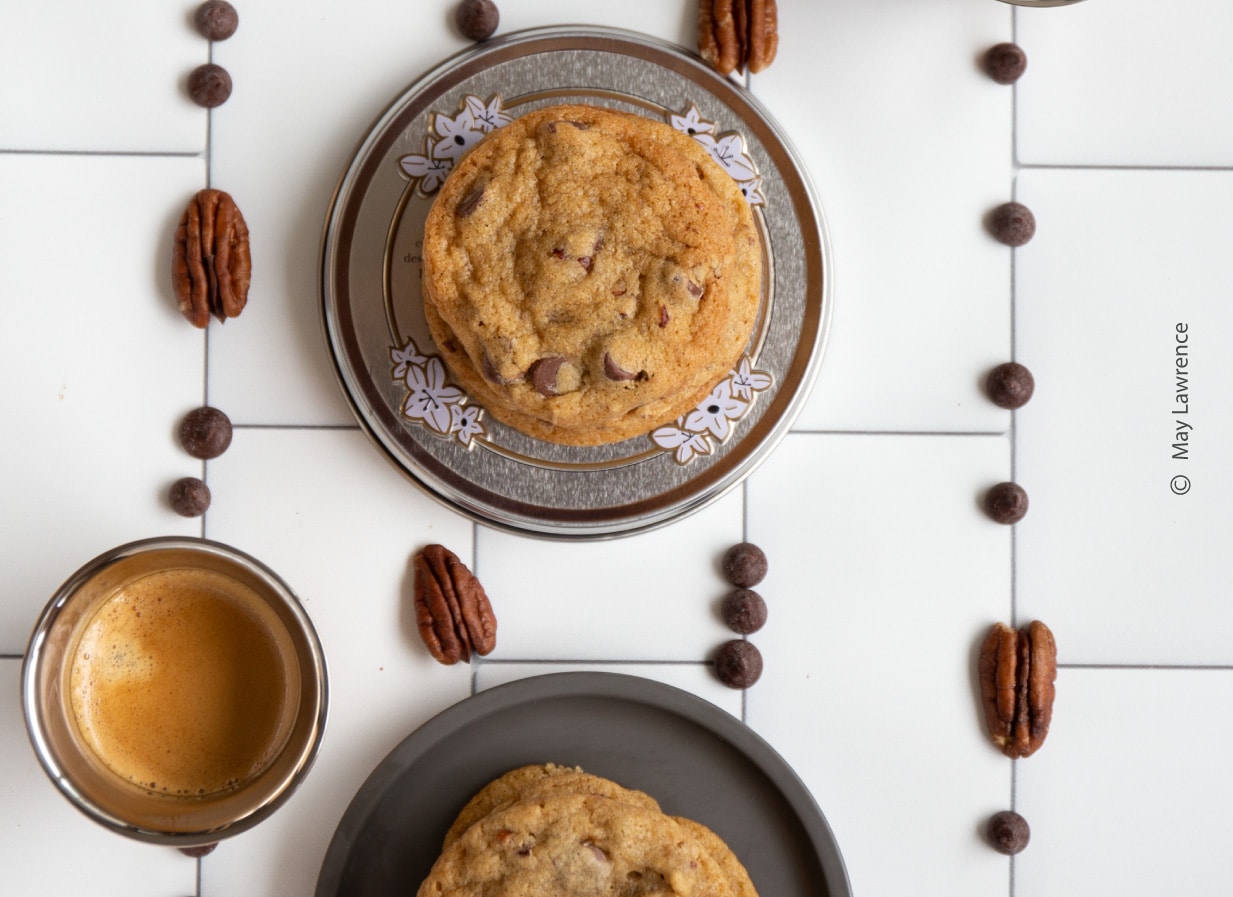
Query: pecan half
point(708, 39)
point(452, 611)
point(734, 35)
point(763, 34)
point(727, 37)
point(211, 263)
point(1017, 669)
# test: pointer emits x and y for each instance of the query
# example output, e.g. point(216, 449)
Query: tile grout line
point(593, 661)
point(209, 134)
point(1014, 334)
point(1178, 667)
point(205, 372)
point(119, 153)
point(1014, 787)
point(205, 336)
point(1014, 415)
point(1086, 166)
point(651, 661)
point(338, 427)
point(992, 433)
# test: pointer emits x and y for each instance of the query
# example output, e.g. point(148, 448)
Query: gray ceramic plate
point(697, 760)
point(386, 360)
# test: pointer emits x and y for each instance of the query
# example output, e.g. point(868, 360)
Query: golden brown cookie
point(590, 274)
point(538, 781)
point(576, 845)
point(714, 845)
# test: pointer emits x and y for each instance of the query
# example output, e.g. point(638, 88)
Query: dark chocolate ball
point(209, 85)
point(1010, 385)
point(205, 433)
point(1012, 223)
point(189, 497)
point(1008, 832)
point(744, 565)
point(1005, 63)
point(743, 611)
point(478, 19)
point(216, 20)
point(738, 663)
point(1006, 503)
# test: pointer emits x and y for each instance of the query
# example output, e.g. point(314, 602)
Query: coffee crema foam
point(184, 683)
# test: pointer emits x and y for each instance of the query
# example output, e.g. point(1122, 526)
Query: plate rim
point(634, 514)
point(603, 684)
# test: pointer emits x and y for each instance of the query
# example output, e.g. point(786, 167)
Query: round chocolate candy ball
point(205, 433)
point(1005, 63)
point(1012, 223)
point(1006, 503)
point(743, 611)
point(1010, 385)
point(209, 85)
point(1008, 832)
point(738, 663)
point(216, 20)
point(744, 565)
point(478, 19)
point(189, 497)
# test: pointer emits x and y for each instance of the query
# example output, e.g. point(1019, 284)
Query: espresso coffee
point(184, 683)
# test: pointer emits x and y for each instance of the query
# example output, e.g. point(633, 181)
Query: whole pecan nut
point(452, 611)
point(1017, 669)
point(737, 34)
point(211, 263)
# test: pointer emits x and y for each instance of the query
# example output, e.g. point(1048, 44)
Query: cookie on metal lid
point(590, 274)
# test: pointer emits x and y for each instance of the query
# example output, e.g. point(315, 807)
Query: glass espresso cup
point(175, 691)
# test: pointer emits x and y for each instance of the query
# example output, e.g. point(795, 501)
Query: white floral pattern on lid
point(711, 422)
point(454, 136)
point(431, 400)
point(447, 411)
point(450, 138)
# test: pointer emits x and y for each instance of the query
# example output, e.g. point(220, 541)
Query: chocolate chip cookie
point(596, 862)
point(575, 845)
point(538, 781)
point(590, 274)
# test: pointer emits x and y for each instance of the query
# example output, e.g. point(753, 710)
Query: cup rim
point(36, 724)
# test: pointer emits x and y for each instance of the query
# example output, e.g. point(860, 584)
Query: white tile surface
point(590, 601)
point(877, 599)
point(908, 144)
point(1126, 83)
point(1121, 567)
point(1113, 808)
point(98, 365)
point(884, 571)
point(102, 77)
point(48, 847)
